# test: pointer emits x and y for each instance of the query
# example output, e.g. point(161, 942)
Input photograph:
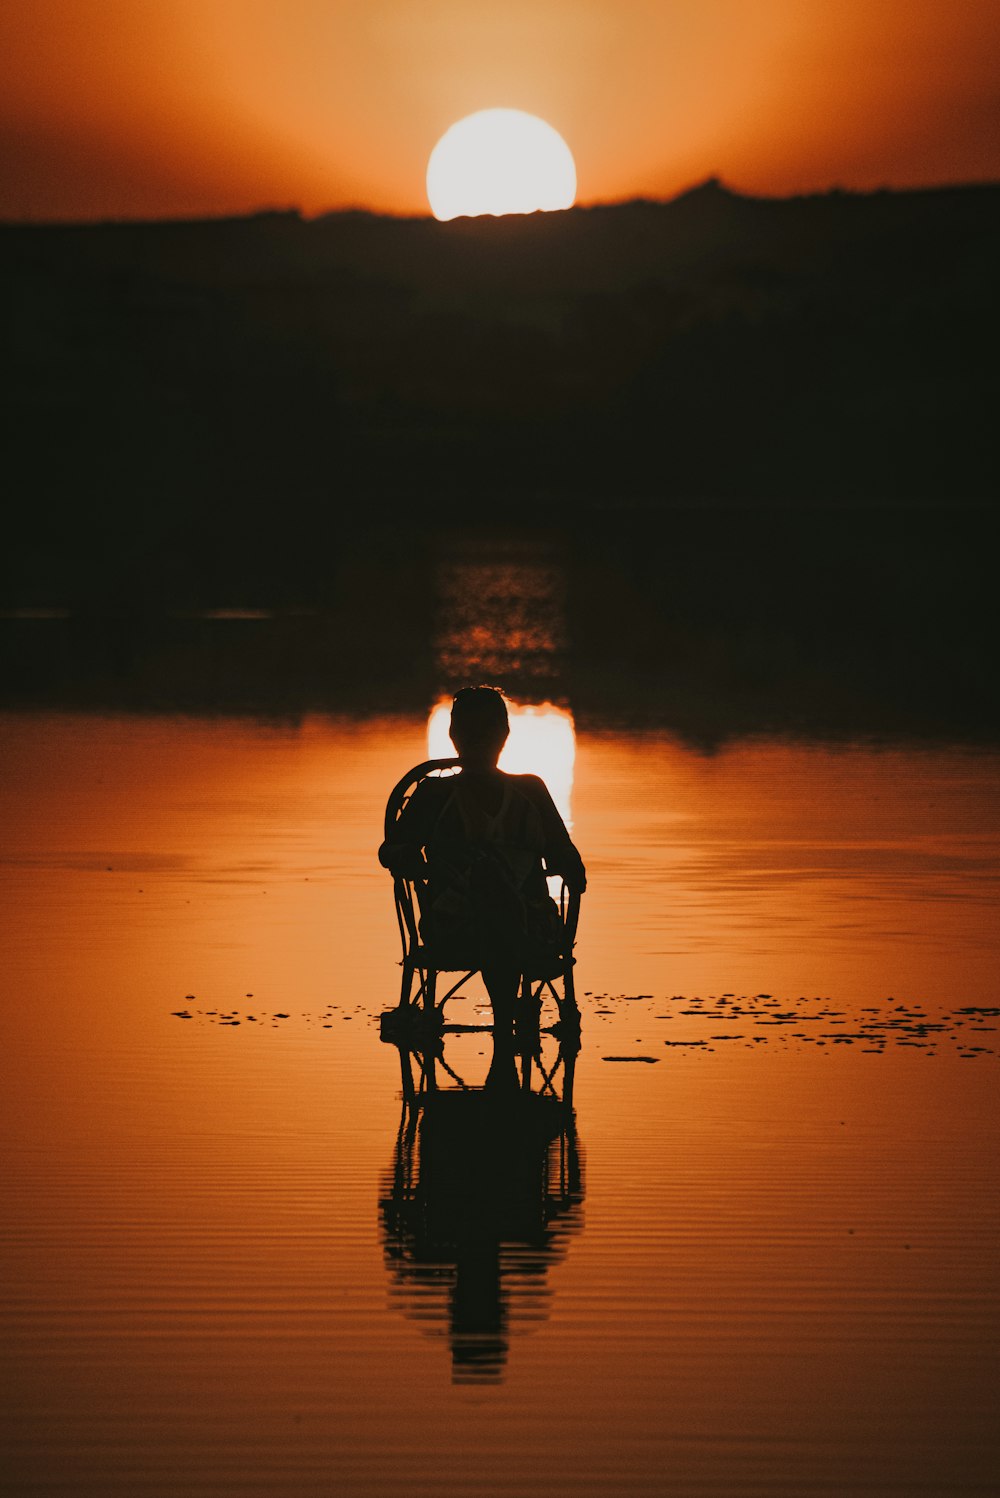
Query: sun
point(500, 161)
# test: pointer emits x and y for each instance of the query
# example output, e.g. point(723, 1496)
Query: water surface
point(762, 1252)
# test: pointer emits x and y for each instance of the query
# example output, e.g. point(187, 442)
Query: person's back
point(479, 845)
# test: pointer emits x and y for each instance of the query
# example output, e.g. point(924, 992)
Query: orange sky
point(136, 108)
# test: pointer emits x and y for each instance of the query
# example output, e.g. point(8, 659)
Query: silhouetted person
point(476, 843)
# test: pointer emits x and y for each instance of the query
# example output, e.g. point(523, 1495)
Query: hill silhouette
point(761, 431)
point(193, 395)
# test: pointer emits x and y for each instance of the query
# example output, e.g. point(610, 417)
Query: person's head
point(479, 725)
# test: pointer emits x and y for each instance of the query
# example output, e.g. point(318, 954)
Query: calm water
point(759, 1258)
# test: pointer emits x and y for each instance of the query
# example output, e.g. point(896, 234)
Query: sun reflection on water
point(542, 742)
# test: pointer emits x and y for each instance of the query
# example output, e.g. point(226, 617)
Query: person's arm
point(402, 852)
point(560, 852)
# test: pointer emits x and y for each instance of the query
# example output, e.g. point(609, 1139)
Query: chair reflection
point(485, 1189)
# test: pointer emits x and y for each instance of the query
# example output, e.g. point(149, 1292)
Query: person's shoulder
point(532, 786)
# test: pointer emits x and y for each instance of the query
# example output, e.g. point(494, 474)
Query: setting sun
point(500, 161)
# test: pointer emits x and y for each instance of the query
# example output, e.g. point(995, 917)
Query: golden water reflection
point(501, 615)
point(788, 1279)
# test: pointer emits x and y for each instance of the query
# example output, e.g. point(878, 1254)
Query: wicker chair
point(419, 992)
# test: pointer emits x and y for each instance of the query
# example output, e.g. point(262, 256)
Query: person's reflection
point(486, 1186)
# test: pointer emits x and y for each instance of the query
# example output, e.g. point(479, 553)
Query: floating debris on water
point(870, 1029)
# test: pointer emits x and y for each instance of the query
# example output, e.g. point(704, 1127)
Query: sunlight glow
point(500, 161)
point(542, 742)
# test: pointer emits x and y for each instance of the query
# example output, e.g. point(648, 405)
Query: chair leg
point(430, 989)
point(568, 1009)
point(406, 987)
point(528, 1012)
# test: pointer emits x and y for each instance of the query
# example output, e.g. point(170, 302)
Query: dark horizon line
point(711, 183)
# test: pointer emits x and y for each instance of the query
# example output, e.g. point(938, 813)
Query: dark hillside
point(196, 405)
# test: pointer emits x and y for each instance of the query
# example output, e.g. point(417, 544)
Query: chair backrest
point(404, 889)
point(403, 789)
point(405, 894)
